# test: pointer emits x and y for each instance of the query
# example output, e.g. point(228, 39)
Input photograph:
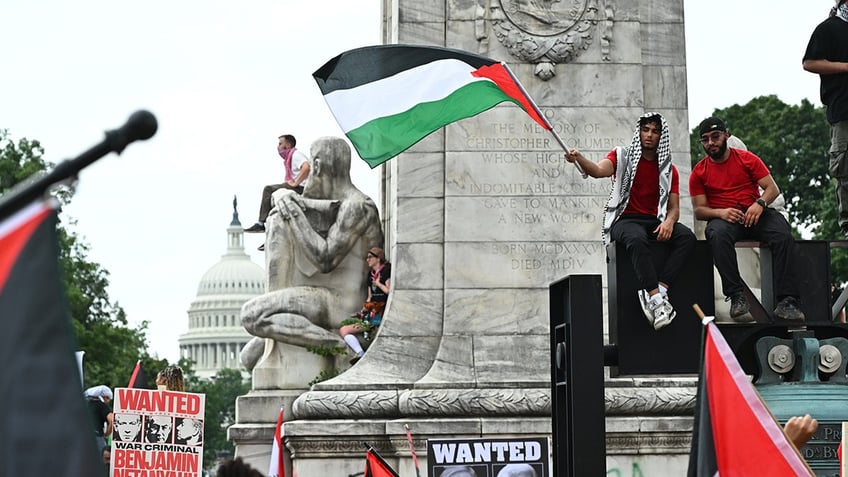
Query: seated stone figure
point(315, 245)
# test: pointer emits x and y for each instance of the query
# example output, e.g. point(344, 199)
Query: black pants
point(266, 205)
point(635, 231)
point(771, 229)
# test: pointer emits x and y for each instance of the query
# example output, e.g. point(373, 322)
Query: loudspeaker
point(676, 348)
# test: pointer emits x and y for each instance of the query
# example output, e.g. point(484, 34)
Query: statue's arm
point(355, 219)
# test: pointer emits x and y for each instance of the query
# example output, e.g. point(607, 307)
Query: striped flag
point(138, 378)
point(386, 98)
point(735, 434)
point(45, 426)
point(277, 466)
point(375, 466)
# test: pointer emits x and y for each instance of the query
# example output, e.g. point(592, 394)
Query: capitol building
point(215, 335)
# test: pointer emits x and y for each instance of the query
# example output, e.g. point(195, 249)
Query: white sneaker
point(645, 303)
point(663, 312)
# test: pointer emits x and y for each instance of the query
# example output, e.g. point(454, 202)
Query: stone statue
point(315, 251)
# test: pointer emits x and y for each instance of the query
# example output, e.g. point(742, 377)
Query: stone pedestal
point(482, 215)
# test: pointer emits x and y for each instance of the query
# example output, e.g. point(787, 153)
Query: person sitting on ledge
point(725, 189)
point(379, 283)
point(644, 207)
point(297, 167)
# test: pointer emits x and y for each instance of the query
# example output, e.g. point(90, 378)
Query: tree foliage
point(111, 346)
point(101, 327)
point(221, 393)
point(793, 141)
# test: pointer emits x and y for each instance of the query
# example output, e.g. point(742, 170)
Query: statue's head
point(332, 154)
point(330, 166)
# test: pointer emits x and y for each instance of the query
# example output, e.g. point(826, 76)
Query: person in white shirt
point(296, 166)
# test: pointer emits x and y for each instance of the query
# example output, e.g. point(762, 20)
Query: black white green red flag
point(387, 98)
point(735, 434)
point(45, 428)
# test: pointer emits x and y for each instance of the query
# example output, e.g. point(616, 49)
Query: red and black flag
point(138, 378)
point(735, 433)
point(45, 428)
point(375, 466)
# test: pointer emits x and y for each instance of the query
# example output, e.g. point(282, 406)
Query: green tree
point(112, 347)
point(793, 141)
point(221, 392)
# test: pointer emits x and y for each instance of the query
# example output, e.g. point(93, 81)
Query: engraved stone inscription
point(820, 451)
point(531, 136)
point(524, 217)
point(519, 263)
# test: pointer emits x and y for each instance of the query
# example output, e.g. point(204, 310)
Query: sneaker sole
point(660, 324)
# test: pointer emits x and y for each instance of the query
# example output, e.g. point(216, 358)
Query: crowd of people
point(731, 190)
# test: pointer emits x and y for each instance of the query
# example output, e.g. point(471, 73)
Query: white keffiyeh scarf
point(627, 159)
point(840, 11)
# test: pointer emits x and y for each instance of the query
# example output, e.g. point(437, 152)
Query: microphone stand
point(140, 125)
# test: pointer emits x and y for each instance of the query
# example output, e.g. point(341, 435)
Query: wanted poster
point(157, 433)
point(518, 457)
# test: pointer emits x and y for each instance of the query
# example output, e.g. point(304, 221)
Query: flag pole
point(542, 116)
point(412, 450)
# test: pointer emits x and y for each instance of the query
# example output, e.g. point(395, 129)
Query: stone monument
point(315, 249)
point(480, 217)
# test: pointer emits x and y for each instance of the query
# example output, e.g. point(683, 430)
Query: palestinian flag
point(387, 98)
point(735, 434)
point(375, 466)
point(277, 466)
point(138, 378)
point(45, 427)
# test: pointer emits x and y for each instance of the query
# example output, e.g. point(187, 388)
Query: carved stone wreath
point(548, 32)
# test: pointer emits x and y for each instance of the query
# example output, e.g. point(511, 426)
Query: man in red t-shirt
point(725, 188)
point(644, 206)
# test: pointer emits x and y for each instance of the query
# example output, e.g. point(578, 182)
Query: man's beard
point(720, 153)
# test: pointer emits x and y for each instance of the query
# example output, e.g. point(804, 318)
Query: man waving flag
point(387, 98)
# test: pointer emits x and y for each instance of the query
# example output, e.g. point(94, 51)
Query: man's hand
point(664, 230)
point(799, 430)
point(734, 216)
point(573, 155)
point(752, 215)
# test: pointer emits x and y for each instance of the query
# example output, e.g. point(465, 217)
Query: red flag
point(737, 427)
point(277, 467)
point(375, 466)
point(138, 378)
point(45, 419)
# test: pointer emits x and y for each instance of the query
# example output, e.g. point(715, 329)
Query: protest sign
point(516, 457)
point(157, 433)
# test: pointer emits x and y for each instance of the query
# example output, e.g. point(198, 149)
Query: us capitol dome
point(215, 335)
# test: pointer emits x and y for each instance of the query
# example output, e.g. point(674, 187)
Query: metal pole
point(538, 111)
point(140, 125)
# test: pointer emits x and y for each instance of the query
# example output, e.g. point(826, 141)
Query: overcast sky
point(226, 78)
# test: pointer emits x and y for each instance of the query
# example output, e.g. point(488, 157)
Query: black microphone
point(140, 125)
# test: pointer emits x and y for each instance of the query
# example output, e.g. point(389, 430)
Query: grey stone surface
point(315, 244)
point(480, 217)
